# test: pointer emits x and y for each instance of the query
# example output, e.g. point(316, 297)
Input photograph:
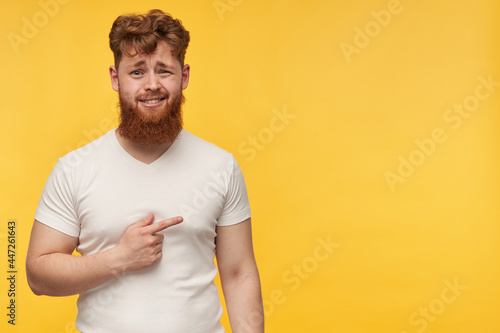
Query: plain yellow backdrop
point(367, 132)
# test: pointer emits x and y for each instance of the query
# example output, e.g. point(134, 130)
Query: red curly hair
point(143, 32)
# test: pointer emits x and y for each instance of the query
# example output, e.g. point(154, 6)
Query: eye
point(136, 73)
point(163, 71)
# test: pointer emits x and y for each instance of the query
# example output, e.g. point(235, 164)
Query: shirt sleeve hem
point(56, 224)
point(233, 219)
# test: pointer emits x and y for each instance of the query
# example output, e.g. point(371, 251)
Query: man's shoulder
point(91, 151)
point(195, 144)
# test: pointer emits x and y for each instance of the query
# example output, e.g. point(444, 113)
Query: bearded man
point(148, 206)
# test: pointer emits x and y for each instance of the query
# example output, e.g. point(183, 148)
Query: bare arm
point(53, 270)
point(240, 277)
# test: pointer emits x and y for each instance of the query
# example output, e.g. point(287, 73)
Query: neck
point(145, 154)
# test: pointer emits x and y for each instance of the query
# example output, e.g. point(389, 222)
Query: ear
point(113, 74)
point(185, 76)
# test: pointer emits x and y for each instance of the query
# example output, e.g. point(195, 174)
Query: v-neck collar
point(132, 161)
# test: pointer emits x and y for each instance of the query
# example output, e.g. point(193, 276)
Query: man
point(148, 206)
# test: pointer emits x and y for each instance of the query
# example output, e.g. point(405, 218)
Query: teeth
point(151, 101)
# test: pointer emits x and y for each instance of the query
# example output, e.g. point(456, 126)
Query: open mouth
point(152, 102)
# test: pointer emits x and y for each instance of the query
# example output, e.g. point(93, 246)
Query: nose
point(151, 82)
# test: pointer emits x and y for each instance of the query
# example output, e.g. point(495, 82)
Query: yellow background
point(319, 175)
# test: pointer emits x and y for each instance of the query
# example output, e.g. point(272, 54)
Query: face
point(150, 90)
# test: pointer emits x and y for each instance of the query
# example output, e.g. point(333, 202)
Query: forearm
point(53, 271)
point(58, 274)
point(243, 297)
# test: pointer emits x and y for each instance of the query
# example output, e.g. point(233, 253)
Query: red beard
point(151, 127)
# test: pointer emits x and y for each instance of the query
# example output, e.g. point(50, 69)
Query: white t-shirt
point(96, 192)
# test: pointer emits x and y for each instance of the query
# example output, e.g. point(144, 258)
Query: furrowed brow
point(162, 65)
point(139, 63)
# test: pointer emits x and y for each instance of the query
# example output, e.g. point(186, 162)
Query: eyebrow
point(161, 64)
point(142, 62)
point(139, 63)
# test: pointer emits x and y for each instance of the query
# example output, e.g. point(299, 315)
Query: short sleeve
point(56, 207)
point(236, 206)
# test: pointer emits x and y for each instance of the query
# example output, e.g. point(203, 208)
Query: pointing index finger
point(164, 224)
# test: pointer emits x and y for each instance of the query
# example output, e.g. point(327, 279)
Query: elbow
point(241, 275)
point(32, 280)
point(33, 286)
point(35, 290)
point(40, 291)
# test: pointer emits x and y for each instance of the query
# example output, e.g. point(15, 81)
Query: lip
point(157, 102)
